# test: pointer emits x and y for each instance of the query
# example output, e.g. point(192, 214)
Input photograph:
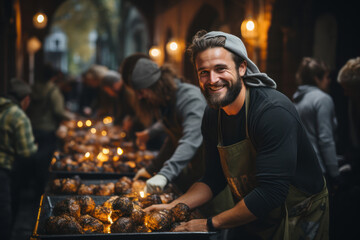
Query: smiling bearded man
point(256, 145)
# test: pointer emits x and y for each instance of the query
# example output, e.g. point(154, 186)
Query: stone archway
point(206, 18)
point(105, 35)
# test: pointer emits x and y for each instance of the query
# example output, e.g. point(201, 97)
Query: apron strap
point(286, 230)
point(247, 102)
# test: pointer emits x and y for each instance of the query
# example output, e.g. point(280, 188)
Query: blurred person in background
point(179, 107)
point(153, 133)
point(16, 146)
point(347, 200)
point(123, 102)
point(317, 112)
point(349, 79)
point(91, 96)
point(46, 111)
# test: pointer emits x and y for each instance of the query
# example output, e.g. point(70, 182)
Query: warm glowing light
point(131, 164)
point(107, 120)
point(116, 158)
point(108, 227)
point(105, 151)
point(40, 20)
point(154, 52)
point(142, 194)
point(122, 134)
point(80, 124)
point(102, 157)
point(109, 217)
point(104, 133)
point(119, 151)
point(87, 154)
point(33, 45)
point(249, 28)
point(53, 161)
point(250, 25)
point(173, 46)
point(93, 130)
point(88, 123)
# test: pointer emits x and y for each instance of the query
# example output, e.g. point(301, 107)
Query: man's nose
point(213, 77)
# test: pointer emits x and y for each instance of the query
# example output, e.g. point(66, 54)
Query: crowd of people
point(256, 163)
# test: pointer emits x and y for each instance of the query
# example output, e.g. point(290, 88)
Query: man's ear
point(242, 68)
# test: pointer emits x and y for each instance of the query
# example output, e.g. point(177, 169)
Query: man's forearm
point(233, 217)
point(198, 194)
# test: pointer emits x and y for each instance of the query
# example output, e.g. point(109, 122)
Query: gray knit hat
point(253, 77)
point(19, 88)
point(145, 74)
point(110, 78)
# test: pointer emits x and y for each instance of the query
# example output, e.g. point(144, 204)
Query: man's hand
point(158, 207)
point(142, 173)
point(155, 184)
point(195, 225)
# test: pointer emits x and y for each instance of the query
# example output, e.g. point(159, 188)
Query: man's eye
point(220, 69)
point(203, 73)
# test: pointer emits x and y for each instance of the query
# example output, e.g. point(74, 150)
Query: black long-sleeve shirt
point(284, 154)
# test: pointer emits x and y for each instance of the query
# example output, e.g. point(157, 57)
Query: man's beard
point(214, 100)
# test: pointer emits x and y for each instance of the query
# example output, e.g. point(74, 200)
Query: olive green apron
point(195, 168)
point(303, 216)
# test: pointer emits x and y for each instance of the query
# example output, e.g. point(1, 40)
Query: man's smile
point(216, 87)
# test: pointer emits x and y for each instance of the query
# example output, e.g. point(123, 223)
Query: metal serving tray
point(89, 175)
point(45, 211)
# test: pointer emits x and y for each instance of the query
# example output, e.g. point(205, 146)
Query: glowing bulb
point(93, 130)
point(40, 18)
point(142, 194)
point(173, 46)
point(88, 123)
point(154, 52)
point(80, 124)
point(107, 120)
point(87, 154)
point(119, 151)
point(105, 150)
point(104, 133)
point(250, 25)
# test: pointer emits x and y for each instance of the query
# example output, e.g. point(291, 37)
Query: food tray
point(45, 211)
point(48, 190)
point(89, 175)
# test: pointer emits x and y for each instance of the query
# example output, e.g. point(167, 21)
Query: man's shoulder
point(14, 115)
point(268, 99)
point(264, 96)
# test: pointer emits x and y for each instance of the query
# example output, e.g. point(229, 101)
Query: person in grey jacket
point(179, 107)
point(317, 112)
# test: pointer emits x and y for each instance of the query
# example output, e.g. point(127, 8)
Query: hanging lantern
point(40, 20)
